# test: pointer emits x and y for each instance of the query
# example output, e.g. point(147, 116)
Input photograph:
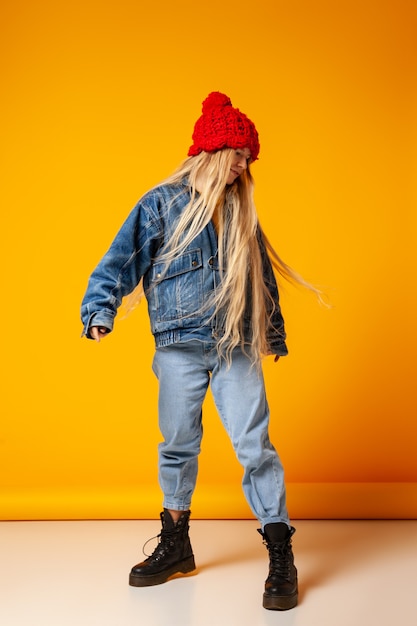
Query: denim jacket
point(176, 295)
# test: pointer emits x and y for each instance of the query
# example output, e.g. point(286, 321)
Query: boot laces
point(165, 542)
point(280, 559)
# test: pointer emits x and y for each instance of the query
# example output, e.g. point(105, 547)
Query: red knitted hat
point(223, 126)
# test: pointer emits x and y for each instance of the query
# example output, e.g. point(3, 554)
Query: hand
point(98, 332)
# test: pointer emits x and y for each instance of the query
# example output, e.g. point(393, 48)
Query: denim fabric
point(184, 373)
point(176, 294)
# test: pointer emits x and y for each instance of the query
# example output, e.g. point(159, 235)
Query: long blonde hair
point(239, 254)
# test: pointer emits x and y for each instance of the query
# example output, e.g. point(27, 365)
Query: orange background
point(98, 104)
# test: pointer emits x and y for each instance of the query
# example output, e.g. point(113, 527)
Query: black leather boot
point(281, 588)
point(173, 554)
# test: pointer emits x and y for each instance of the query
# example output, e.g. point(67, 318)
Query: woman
point(195, 244)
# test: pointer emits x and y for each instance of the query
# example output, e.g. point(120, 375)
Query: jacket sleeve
point(276, 334)
point(122, 267)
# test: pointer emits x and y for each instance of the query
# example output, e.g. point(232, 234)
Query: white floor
point(353, 573)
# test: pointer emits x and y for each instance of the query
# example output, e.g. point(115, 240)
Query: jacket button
point(194, 263)
point(210, 261)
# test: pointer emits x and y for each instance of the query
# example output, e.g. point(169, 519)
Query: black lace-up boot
point(173, 554)
point(281, 590)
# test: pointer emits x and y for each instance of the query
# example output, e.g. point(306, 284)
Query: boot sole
point(183, 567)
point(280, 603)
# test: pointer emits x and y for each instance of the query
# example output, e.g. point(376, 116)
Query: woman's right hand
point(98, 332)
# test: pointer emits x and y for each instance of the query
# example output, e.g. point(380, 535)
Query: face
point(240, 162)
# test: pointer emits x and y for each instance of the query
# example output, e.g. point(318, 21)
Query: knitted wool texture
point(223, 126)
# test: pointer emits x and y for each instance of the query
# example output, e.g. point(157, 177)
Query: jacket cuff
point(278, 347)
point(100, 318)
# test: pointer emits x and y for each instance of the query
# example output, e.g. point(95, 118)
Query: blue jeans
point(184, 372)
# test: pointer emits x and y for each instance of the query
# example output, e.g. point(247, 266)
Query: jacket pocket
point(177, 289)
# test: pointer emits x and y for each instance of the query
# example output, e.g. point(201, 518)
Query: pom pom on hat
point(223, 126)
point(215, 99)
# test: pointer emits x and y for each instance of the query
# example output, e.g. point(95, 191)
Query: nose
point(242, 163)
